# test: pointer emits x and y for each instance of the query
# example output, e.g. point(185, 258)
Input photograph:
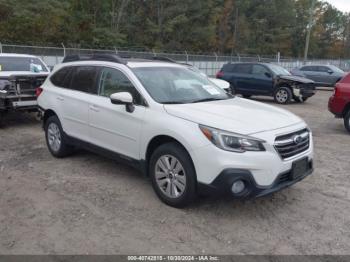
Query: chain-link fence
point(208, 63)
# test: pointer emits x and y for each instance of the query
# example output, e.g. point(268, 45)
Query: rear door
point(243, 78)
point(311, 72)
point(111, 126)
point(75, 100)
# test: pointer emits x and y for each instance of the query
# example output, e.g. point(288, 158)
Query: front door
point(111, 126)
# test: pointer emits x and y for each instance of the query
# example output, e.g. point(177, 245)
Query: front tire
point(55, 138)
point(283, 95)
point(173, 175)
point(347, 121)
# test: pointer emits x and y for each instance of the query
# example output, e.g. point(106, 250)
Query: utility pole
point(309, 27)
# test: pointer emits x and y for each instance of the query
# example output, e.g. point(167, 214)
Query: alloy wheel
point(170, 176)
point(54, 136)
point(282, 96)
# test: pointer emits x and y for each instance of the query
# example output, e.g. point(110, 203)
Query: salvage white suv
point(181, 130)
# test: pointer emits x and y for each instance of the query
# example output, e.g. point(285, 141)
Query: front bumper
point(307, 92)
point(222, 184)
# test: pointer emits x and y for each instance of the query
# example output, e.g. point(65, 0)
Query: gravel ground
point(86, 204)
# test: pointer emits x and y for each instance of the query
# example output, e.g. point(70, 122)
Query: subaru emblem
point(297, 139)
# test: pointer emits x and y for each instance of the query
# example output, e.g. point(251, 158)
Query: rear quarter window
point(228, 68)
point(59, 78)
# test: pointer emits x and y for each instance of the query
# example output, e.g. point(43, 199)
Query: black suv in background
point(268, 80)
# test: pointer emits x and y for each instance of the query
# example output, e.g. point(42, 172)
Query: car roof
point(16, 55)
point(248, 63)
point(130, 62)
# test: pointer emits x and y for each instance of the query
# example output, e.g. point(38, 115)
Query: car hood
point(220, 83)
point(235, 115)
point(296, 78)
point(6, 74)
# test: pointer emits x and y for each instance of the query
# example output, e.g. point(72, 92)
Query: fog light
point(238, 187)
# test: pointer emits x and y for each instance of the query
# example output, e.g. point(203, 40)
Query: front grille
point(293, 144)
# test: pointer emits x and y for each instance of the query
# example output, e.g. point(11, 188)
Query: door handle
point(94, 108)
point(60, 98)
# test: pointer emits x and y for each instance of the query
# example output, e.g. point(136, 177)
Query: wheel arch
point(47, 114)
point(157, 141)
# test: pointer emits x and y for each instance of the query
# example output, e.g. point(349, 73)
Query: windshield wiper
point(206, 100)
point(172, 103)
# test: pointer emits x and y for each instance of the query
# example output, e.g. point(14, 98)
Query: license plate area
point(300, 168)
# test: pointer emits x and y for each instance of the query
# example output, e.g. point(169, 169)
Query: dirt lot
point(86, 204)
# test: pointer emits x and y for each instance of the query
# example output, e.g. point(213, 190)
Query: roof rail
point(95, 57)
point(164, 59)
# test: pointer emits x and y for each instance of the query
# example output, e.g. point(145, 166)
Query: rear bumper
point(222, 184)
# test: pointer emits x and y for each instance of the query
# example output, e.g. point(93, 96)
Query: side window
point(259, 70)
point(307, 68)
point(243, 69)
point(228, 68)
point(323, 69)
point(113, 81)
point(84, 79)
point(58, 78)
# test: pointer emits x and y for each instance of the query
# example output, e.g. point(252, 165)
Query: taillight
point(336, 91)
point(38, 91)
point(219, 74)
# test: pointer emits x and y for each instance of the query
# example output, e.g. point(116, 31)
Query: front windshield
point(30, 64)
point(279, 70)
point(178, 85)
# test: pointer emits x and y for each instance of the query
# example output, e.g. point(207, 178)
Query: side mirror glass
point(123, 98)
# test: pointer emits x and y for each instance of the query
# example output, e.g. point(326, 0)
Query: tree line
point(222, 26)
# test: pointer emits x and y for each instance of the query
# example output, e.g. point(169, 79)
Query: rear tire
point(347, 121)
point(173, 175)
point(55, 138)
point(283, 95)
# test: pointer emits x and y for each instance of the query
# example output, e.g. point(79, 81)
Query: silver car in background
point(323, 75)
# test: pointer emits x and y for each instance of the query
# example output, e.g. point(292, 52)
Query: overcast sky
point(342, 5)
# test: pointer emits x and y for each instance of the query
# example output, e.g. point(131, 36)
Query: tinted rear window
point(30, 64)
point(84, 79)
point(228, 68)
point(59, 78)
point(243, 69)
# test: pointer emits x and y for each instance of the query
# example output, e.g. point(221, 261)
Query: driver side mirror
point(330, 71)
point(123, 98)
point(267, 74)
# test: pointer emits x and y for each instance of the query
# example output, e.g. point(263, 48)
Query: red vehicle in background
point(339, 102)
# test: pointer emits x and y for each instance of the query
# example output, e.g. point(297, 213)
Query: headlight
point(4, 84)
point(231, 141)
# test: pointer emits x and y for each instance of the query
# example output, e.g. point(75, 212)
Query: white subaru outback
point(172, 123)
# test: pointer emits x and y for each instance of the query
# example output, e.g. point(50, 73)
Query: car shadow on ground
point(18, 119)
